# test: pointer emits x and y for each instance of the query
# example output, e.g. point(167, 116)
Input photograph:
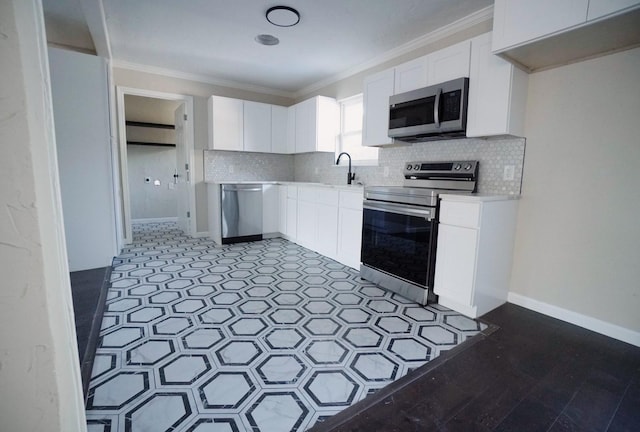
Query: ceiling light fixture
point(283, 16)
point(266, 39)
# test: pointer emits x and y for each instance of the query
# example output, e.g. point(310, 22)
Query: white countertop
point(478, 197)
point(354, 187)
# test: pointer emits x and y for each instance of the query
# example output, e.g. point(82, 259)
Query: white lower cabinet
point(323, 219)
point(350, 229)
point(287, 211)
point(270, 209)
point(307, 224)
point(474, 254)
point(318, 219)
point(456, 263)
point(282, 209)
point(292, 213)
point(327, 236)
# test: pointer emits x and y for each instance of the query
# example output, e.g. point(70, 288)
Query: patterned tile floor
point(265, 336)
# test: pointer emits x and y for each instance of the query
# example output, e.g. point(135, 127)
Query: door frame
point(123, 175)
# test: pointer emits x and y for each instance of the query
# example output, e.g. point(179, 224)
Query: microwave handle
point(436, 108)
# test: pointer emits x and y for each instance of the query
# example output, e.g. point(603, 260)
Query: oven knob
point(467, 166)
point(409, 167)
point(457, 167)
point(416, 167)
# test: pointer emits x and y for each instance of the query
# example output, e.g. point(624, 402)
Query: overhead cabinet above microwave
point(497, 90)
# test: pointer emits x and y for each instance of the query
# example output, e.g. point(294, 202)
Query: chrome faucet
point(350, 176)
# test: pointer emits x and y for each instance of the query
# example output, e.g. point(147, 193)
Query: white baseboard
point(155, 220)
point(590, 323)
point(200, 234)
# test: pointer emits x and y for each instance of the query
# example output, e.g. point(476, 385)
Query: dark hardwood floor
point(88, 289)
point(528, 372)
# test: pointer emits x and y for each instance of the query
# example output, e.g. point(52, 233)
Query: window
point(350, 140)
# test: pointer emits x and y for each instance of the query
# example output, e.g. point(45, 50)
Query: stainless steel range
point(400, 226)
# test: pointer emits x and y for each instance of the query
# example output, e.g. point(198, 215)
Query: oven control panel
point(440, 168)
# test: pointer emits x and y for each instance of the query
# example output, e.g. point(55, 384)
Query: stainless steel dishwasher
point(241, 212)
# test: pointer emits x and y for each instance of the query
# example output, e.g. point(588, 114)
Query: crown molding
point(462, 24)
point(201, 78)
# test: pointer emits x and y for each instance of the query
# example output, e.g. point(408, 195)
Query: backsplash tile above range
point(245, 166)
point(493, 154)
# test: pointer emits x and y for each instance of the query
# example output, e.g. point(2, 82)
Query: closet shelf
point(150, 125)
point(150, 144)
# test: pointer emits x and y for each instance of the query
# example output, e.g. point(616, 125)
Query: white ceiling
point(215, 38)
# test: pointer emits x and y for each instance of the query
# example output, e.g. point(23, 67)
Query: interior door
point(182, 178)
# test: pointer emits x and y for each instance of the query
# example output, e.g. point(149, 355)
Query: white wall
point(148, 200)
point(578, 238)
point(40, 385)
point(67, 31)
point(81, 112)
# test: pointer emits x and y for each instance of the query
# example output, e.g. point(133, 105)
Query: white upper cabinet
point(497, 93)
point(279, 129)
point(517, 21)
point(440, 66)
point(317, 124)
point(377, 89)
point(291, 129)
point(310, 126)
point(240, 125)
point(257, 127)
point(305, 130)
point(602, 8)
point(448, 63)
point(410, 75)
point(545, 33)
point(226, 123)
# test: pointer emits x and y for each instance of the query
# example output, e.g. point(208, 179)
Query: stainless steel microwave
point(434, 112)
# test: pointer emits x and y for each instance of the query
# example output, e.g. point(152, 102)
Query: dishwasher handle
point(242, 188)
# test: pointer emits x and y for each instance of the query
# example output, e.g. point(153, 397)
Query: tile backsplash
point(244, 166)
point(494, 154)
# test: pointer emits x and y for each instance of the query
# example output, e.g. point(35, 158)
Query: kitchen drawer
point(292, 192)
point(319, 195)
point(461, 214)
point(351, 200)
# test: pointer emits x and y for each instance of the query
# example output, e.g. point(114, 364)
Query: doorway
point(149, 189)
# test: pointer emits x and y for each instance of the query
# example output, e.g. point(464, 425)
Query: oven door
point(399, 240)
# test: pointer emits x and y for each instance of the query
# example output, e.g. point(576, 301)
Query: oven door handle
point(425, 213)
